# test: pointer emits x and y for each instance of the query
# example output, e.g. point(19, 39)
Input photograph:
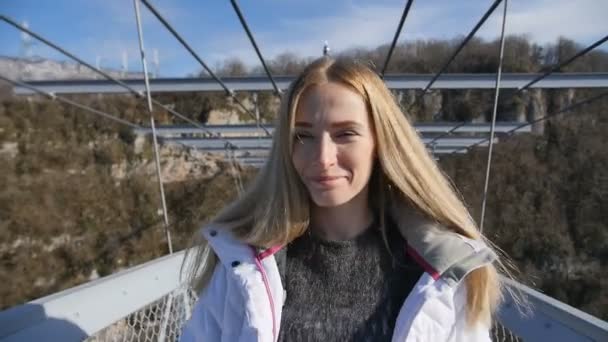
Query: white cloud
point(355, 26)
point(371, 25)
point(367, 25)
point(545, 20)
point(122, 12)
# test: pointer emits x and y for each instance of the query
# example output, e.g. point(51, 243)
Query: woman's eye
point(302, 136)
point(347, 134)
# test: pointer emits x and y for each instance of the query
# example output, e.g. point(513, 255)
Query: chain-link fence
point(159, 321)
point(163, 319)
point(500, 333)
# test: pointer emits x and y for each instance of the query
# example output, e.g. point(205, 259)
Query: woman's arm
point(205, 322)
point(462, 331)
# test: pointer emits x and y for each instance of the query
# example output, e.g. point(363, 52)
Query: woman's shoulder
point(224, 244)
point(441, 252)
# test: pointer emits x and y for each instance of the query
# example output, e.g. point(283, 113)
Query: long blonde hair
point(275, 208)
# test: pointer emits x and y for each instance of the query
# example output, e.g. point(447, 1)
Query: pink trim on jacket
point(258, 262)
point(270, 251)
point(420, 260)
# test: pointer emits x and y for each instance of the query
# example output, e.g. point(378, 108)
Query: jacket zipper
point(259, 265)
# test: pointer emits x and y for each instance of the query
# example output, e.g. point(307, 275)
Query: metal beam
point(251, 129)
point(258, 158)
point(260, 83)
point(243, 155)
point(259, 143)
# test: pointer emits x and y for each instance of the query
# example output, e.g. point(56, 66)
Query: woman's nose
point(325, 152)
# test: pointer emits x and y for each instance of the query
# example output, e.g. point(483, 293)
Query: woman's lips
point(326, 181)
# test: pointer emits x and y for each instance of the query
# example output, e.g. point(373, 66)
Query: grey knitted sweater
point(344, 290)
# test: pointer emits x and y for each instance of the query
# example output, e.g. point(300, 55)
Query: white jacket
point(243, 300)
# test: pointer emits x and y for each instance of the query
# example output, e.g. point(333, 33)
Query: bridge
point(261, 83)
point(251, 145)
point(154, 297)
point(151, 301)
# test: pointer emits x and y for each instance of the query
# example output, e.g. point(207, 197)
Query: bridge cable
point(544, 75)
point(546, 117)
point(406, 10)
point(563, 64)
point(462, 44)
point(70, 102)
point(229, 92)
point(152, 125)
point(109, 77)
point(234, 172)
point(457, 51)
point(494, 110)
point(237, 9)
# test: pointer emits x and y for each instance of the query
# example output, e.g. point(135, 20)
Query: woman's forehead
point(330, 103)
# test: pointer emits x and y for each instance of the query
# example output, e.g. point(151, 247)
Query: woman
point(349, 232)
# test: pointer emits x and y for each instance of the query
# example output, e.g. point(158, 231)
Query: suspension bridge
point(153, 295)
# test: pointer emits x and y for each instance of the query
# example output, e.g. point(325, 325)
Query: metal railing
point(261, 83)
point(150, 303)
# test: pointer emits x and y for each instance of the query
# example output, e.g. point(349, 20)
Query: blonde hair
point(275, 208)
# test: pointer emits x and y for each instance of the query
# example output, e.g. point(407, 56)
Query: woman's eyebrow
point(347, 123)
point(338, 124)
point(303, 124)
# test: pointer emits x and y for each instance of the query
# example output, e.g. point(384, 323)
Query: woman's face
point(334, 144)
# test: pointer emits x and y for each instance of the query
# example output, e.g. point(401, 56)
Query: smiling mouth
point(327, 181)
point(325, 178)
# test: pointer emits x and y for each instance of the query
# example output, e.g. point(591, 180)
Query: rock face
point(223, 117)
point(432, 104)
point(9, 149)
point(231, 117)
point(536, 109)
point(177, 164)
point(138, 144)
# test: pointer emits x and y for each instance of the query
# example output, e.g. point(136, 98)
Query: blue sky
point(106, 29)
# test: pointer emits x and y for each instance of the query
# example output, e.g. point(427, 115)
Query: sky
point(105, 30)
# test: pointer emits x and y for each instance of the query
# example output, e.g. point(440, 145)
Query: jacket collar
point(442, 253)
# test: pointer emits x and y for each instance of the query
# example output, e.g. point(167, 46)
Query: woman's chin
point(328, 200)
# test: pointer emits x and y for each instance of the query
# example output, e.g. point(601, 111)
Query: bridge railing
point(150, 303)
point(261, 83)
point(550, 319)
